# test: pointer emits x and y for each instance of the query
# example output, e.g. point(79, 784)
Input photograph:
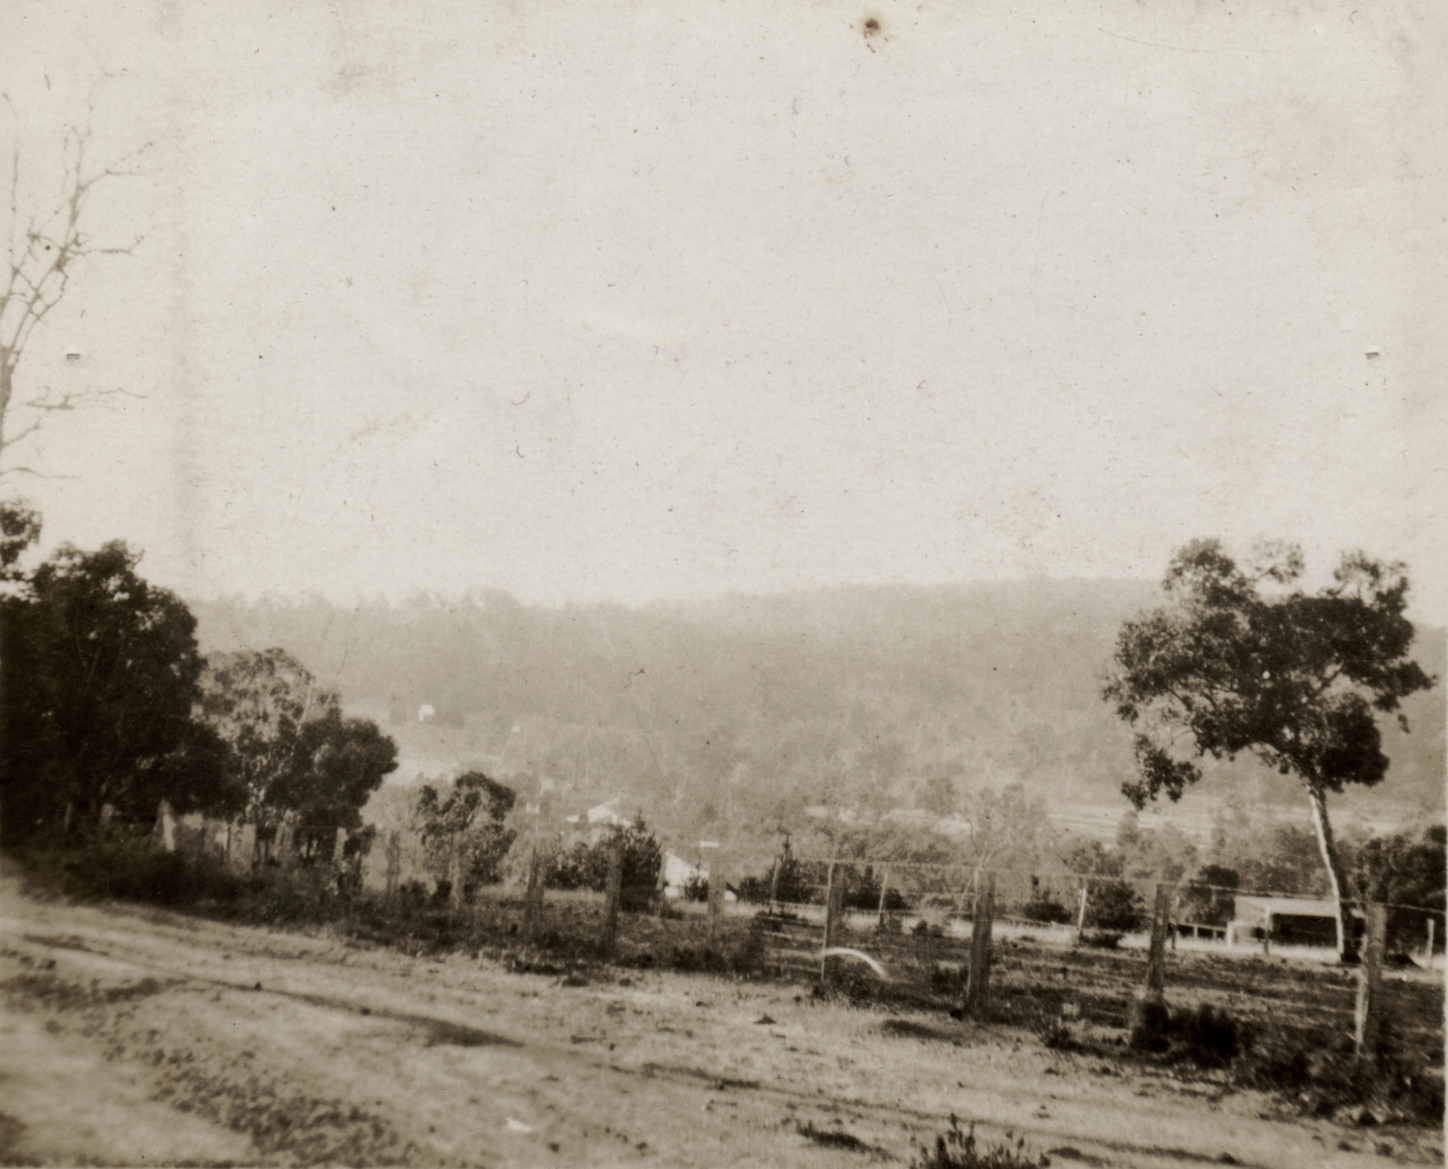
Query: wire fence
point(1006, 943)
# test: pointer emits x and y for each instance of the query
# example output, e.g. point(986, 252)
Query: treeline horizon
point(757, 706)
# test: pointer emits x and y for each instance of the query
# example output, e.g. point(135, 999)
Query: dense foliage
point(339, 762)
point(108, 709)
point(462, 828)
point(584, 864)
point(257, 701)
point(1403, 870)
point(100, 672)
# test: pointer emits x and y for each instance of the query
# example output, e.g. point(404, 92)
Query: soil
point(139, 1037)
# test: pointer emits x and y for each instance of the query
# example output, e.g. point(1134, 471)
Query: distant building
point(604, 815)
point(1291, 921)
point(678, 873)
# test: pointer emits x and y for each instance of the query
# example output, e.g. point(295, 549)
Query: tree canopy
point(337, 764)
point(1240, 660)
point(468, 818)
point(100, 671)
point(257, 700)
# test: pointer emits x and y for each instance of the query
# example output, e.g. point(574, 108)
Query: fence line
point(886, 866)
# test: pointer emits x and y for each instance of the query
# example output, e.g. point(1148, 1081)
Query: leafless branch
point(43, 246)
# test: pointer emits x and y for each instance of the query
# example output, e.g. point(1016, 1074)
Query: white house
point(605, 815)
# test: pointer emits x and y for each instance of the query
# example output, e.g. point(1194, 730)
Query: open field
point(133, 1035)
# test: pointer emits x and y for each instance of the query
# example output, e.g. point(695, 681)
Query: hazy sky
point(664, 299)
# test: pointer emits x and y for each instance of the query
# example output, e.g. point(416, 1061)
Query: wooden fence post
point(1368, 1017)
point(774, 890)
point(1081, 913)
point(612, 894)
point(718, 886)
point(1432, 922)
point(977, 991)
point(168, 842)
point(1156, 950)
point(884, 887)
point(834, 899)
point(455, 874)
point(533, 898)
point(394, 861)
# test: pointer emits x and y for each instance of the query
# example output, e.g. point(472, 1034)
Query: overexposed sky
point(661, 299)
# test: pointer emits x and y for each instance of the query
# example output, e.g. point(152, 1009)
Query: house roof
point(605, 813)
point(1249, 907)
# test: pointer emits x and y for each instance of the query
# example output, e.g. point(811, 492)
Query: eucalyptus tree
point(1242, 659)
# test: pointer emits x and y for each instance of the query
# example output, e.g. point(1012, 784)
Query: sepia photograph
point(661, 583)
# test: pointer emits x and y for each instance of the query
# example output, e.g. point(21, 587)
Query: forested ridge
point(758, 706)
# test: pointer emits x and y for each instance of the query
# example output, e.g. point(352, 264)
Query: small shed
point(1293, 921)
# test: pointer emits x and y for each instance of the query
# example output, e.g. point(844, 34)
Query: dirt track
point(132, 1037)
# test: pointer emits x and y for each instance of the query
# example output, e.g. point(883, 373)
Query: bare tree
point(44, 245)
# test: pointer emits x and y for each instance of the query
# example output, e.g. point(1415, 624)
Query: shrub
point(862, 891)
point(1114, 906)
point(1321, 1077)
point(1150, 1023)
point(955, 1149)
point(1057, 1035)
point(706, 960)
point(1208, 1037)
point(786, 877)
point(947, 979)
point(137, 871)
point(1286, 1070)
point(1045, 910)
point(585, 866)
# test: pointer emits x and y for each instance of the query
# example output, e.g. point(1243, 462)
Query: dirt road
point(133, 1037)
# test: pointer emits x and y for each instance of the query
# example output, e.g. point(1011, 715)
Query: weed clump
point(1326, 1079)
point(134, 871)
point(1056, 1034)
point(1208, 1038)
point(957, 1149)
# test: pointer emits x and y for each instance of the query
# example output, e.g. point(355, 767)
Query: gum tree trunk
point(1346, 945)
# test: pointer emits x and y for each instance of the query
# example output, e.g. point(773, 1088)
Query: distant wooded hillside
point(756, 707)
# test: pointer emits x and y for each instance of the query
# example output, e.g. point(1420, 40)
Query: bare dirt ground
point(138, 1037)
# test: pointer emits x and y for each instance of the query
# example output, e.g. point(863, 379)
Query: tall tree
point(1240, 660)
point(466, 822)
point(99, 676)
point(257, 700)
point(337, 765)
